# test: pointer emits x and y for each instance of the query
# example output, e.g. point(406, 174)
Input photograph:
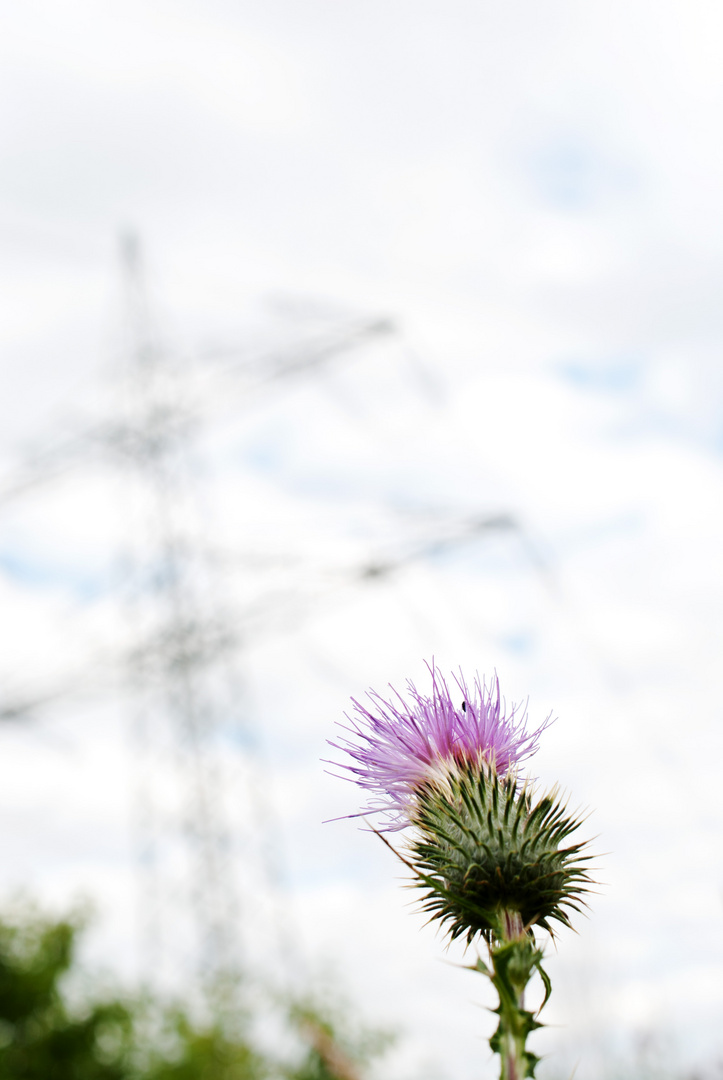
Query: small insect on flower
point(405, 745)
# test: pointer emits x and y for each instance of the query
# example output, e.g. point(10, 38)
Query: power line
point(185, 634)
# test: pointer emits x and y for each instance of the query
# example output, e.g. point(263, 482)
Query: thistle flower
point(402, 747)
point(489, 851)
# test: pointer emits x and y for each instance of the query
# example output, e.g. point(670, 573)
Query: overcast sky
point(532, 192)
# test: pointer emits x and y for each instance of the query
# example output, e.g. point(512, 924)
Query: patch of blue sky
point(611, 375)
point(718, 442)
point(570, 173)
point(631, 379)
point(85, 583)
point(264, 454)
point(235, 734)
point(495, 551)
point(276, 458)
point(519, 643)
point(620, 528)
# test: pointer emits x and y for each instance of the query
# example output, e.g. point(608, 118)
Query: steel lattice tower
point(178, 640)
point(205, 869)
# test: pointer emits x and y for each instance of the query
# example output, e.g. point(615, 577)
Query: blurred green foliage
point(40, 1039)
point(49, 1033)
point(198, 1053)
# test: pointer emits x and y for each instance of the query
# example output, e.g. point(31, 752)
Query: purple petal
point(396, 745)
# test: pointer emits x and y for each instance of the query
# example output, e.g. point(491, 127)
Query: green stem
point(514, 958)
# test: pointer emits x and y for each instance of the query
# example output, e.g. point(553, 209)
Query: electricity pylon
point(179, 670)
point(183, 664)
point(188, 723)
point(176, 719)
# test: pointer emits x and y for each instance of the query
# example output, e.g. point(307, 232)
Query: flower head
point(403, 746)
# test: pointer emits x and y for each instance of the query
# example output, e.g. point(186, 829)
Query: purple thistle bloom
point(405, 744)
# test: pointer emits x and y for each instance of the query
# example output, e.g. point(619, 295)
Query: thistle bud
point(493, 856)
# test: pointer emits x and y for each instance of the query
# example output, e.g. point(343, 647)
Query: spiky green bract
point(487, 849)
